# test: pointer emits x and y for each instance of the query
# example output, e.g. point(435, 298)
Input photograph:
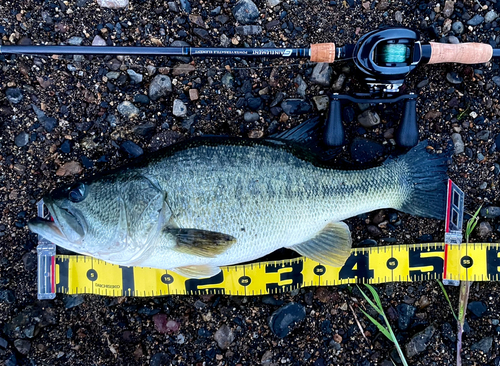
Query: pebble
point(228, 80)
point(160, 359)
point(267, 358)
point(322, 74)
point(49, 123)
point(418, 343)
point(458, 143)
point(71, 301)
point(75, 41)
point(186, 6)
point(490, 16)
point(194, 94)
point(398, 16)
point(295, 106)
point(165, 325)
point(135, 77)
point(490, 212)
point(179, 109)
point(453, 40)
point(246, 12)
point(453, 78)
point(65, 147)
point(251, 117)
point(449, 7)
point(23, 346)
point(458, 27)
point(248, 30)
point(476, 20)
point(7, 296)
point(151, 70)
point(159, 87)
point(423, 83)
point(484, 345)
point(141, 99)
point(113, 75)
point(406, 313)
point(69, 168)
point(484, 229)
point(22, 139)
point(127, 109)
point(113, 4)
point(254, 103)
point(14, 95)
point(337, 85)
point(483, 135)
point(368, 119)
point(224, 337)
point(301, 86)
point(145, 130)
point(182, 69)
point(132, 149)
point(496, 80)
point(98, 41)
point(284, 319)
point(321, 102)
point(477, 308)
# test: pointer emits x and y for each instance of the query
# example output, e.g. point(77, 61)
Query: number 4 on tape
point(453, 233)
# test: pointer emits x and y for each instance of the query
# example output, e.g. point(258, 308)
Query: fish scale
point(278, 204)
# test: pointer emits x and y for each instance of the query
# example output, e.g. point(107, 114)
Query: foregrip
point(323, 52)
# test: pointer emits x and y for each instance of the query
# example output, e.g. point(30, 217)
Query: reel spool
point(385, 57)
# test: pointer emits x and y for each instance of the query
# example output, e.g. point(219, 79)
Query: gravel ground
point(67, 117)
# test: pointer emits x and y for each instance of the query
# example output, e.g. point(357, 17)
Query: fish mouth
point(65, 228)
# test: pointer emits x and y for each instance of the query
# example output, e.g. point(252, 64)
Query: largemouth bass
point(213, 202)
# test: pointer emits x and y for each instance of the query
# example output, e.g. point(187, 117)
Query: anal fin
point(201, 271)
point(331, 246)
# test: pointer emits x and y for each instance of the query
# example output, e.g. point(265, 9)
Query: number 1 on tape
point(453, 232)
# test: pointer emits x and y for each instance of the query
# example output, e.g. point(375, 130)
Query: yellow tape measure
point(402, 263)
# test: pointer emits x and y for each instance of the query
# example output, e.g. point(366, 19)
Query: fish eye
point(77, 192)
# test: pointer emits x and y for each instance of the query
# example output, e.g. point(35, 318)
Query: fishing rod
point(383, 59)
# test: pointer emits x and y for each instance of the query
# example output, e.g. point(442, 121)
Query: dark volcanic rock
point(284, 319)
point(419, 342)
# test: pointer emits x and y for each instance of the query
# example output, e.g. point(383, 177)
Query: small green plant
point(387, 330)
point(447, 298)
point(464, 290)
point(462, 114)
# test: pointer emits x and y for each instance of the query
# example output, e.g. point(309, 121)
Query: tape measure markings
point(404, 263)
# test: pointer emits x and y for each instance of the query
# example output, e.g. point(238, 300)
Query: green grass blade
point(447, 298)
point(372, 304)
point(375, 296)
point(380, 327)
point(471, 224)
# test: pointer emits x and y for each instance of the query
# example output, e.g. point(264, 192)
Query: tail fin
point(426, 182)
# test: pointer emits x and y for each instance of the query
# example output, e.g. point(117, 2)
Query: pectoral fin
point(202, 243)
point(202, 271)
point(331, 246)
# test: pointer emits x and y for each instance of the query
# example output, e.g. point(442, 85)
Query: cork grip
point(323, 52)
point(463, 53)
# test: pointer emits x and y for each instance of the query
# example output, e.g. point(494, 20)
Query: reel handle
point(334, 129)
point(463, 53)
point(407, 132)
